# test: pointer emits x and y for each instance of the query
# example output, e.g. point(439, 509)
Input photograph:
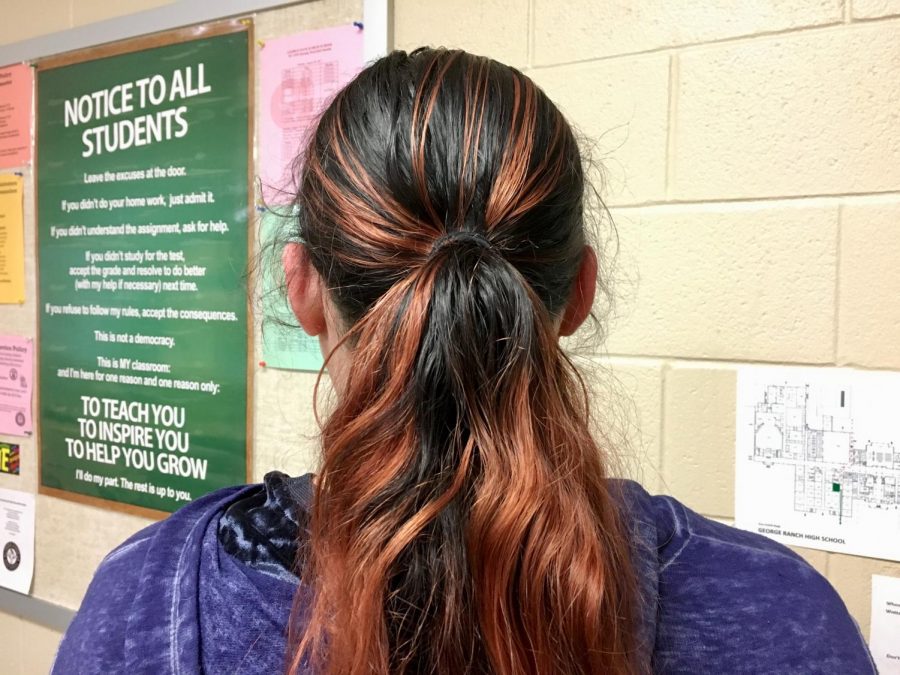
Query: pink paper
point(16, 84)
point(299, 75)
point(16, 380)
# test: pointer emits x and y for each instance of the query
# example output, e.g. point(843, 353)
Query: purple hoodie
point(715, 600)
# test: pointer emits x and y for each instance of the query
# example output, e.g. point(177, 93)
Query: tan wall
point(28, 649)
point(753, 159)
point(24, 19)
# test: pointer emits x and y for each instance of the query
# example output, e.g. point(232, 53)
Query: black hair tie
point(459, 236)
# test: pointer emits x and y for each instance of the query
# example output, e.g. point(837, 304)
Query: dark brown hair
point(463, 521)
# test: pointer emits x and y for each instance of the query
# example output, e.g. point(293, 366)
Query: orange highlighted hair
point(463, 521)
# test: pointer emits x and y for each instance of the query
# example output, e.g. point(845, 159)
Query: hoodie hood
point(170, 600)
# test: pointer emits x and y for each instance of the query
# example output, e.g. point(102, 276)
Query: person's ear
point(582, 298)
point(305, 289)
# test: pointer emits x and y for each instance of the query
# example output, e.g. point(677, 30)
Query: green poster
point(142, 172)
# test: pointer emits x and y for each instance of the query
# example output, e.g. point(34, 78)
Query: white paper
point(884, 635)
point(16, 539)
point(818, 458)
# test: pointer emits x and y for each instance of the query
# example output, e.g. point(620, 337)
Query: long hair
point(462, 520)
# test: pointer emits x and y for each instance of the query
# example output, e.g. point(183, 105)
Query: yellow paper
point(12, 241)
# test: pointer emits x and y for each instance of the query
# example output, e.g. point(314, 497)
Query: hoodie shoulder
point(735, 601)
point(95, 640)
point(124, 616)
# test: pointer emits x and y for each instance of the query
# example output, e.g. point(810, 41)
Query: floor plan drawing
point(818, 458)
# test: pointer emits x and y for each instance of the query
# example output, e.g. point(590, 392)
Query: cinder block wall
point(752, 152)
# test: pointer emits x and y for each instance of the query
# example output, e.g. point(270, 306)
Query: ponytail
point(462, 520)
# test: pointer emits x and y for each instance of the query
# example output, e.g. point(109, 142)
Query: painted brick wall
point(752, 153)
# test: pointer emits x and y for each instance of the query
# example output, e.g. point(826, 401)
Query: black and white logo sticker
point(11, 556)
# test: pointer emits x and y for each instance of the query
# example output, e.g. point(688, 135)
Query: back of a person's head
point(462, 521)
